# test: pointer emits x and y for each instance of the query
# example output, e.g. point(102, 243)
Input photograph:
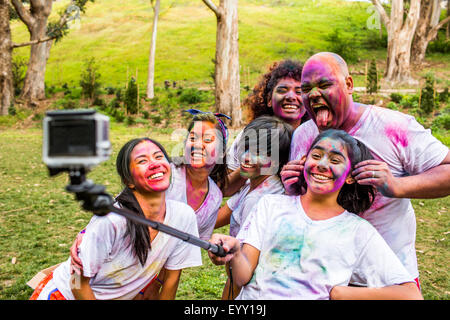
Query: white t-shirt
point(242, 202)
point(108, 259)
point(207, 213)
point(233, 155)
point(408, 149)
point(302, 258)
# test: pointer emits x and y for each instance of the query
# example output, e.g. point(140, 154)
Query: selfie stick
point(95, 199)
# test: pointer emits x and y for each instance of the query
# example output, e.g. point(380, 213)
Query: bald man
point(410, 162)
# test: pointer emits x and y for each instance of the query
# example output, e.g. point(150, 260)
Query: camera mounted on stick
point(75, 141)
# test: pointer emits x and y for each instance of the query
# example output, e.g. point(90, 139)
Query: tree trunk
point(427, 29)
point(400, 32)
point(448, 24)
point(151, 57)
point(34, 83)
point(6, 81)
point(226, 74)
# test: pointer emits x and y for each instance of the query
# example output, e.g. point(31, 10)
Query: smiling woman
point(120, 258)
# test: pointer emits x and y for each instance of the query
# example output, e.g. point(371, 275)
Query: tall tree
point(400, 25)
point(226, 73)
point(35, 18)
point(151, 57)
point(427, 29)
point(6, 83)
point(42, 33)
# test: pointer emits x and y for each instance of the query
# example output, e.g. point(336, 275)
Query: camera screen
point(72, 138)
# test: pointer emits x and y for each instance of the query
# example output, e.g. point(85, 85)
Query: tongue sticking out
point(322, 117)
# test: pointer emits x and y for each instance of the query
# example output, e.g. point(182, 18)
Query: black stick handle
point(216, 249)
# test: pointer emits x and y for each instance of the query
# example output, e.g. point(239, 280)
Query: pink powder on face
point(397, 133)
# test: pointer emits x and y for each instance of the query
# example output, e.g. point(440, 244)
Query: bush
point(145, 114)
point(191, 96)
point(372, 78)
point(440, 44)
point(443, 96)
point(89, 82)
point(392, 105)
point(427, 104)
point(410, 101)
point(130, 98)
point(130, 120)
point(441, 122)
point(396, 97)
point(19, 68)
point(110, 90)
point(156, 119)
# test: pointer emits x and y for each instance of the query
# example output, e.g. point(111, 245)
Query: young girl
point(266, 142)
point(198, 173)
point(312, 246)
point(121, 257)
point(262, 158)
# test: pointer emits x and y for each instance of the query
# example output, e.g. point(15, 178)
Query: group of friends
point(318, 186)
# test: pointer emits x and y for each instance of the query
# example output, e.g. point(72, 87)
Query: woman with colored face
point(312, 246)
point(199, 173)
point(119, 258)
point(277, 94)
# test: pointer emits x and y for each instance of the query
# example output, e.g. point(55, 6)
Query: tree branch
point(384, 17)
point(213, 7)
point(23, 13)
point(29, 43)
point(434, 30)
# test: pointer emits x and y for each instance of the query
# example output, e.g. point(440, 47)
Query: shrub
point(89, 82)
point(410, 101)
point(191, 96)
point(145, 114)
point(441, 122)
point(130, 120)
point(156, 119)
point(427, 104)
point(392, 105)
point(443, 96)
point(130, 98)
point(372, 78)
point(396, 97)
point(19, 68)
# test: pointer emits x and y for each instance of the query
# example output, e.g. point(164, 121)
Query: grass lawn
point(39, 220)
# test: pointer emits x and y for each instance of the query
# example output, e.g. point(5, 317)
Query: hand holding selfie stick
point(75, 141)
point(95, 199)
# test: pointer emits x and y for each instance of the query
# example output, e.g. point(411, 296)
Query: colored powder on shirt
point(397, 134)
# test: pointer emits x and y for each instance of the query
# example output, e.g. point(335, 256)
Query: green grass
point(39, 220)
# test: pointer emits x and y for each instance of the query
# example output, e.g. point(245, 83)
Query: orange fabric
point(55, 295)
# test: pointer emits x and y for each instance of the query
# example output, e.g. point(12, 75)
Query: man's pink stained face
point(286, 100)
point(325, 92)
point(327, 167)
point(203, 145)
point(149, 168)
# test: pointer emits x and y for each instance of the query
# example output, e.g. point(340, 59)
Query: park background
point(108, 49)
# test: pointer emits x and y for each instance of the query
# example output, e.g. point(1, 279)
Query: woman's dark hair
point(258, 100)
point(138, 234)
point(355, 198)
point(261, 130)
point(219, 173)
